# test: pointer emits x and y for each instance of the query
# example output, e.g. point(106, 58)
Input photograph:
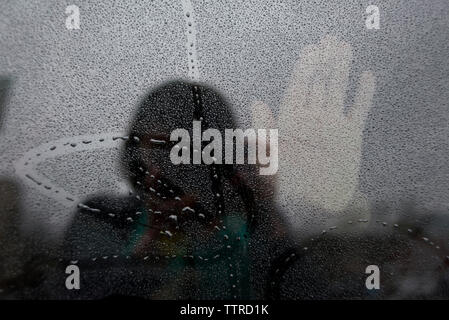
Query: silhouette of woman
point(200, 231)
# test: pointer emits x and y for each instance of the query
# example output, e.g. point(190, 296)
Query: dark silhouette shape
point(5, 85)
point(197, 224)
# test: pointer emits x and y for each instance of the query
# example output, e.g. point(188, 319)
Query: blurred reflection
point(213, 232)
point(23, 266)
point(411, 253)
point(5, 84)
point(188, 231)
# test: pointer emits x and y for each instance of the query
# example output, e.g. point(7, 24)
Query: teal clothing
point(223, 272)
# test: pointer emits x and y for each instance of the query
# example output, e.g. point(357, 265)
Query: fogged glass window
point(224, 150)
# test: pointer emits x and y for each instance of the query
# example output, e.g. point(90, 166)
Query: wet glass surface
point(117, 178)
